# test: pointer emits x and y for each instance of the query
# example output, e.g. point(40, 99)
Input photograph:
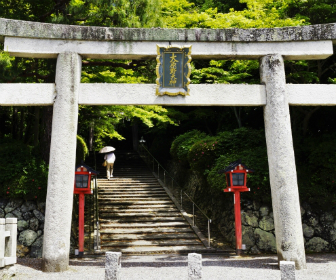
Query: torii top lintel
point(301, 42)
point(37, 30)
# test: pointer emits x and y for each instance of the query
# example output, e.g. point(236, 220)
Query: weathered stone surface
point(281, 161)
point(22, 225)
point(7, 272)
point(17, 213)
point(327, 217)
point(333, 236)
point(266, 223)
point(39, 233)
point(318, 230)
point(9, 27)
point(12, 205)
point(28, 206)
point(317, 244)
point(41, 206)
point(248, 236)
point(307, 231)
point(56, 242)
point(27, 237)
point(335, 225)
point(249, 219)
point(2, 213)
point(303, 211)
point(21, 251)
point(39, 215)
point(194, 266)
point(27, 215)
point(264, 211)
point(313, 221)
point(112, 266)
point(255, 251)
point(265, 240)
point(287, 270)
point(10, 215)
point(34, 224)
point(36, 248)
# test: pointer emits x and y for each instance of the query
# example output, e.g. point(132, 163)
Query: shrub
point(182, 144)
point(202, 155)
point(22, 174)
point(82, 150)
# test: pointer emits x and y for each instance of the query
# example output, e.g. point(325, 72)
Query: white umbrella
point(107, 149)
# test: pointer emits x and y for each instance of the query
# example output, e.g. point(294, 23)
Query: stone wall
point(30, 215)
point(319, 228)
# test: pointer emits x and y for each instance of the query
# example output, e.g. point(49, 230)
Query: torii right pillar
point(281, 161)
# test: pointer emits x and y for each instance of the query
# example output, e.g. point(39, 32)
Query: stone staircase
point(136, 215)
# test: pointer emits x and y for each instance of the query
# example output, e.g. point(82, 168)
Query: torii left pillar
point(56, 242)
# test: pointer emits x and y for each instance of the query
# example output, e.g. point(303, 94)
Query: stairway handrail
point(182, 192)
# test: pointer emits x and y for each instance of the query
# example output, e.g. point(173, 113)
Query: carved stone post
point(281, 161)
point(56, 243)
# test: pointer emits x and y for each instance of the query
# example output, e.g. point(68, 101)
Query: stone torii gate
point(69, 44)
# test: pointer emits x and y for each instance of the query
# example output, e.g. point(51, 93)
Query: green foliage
point(22, 175)
point(209, 154)
point(203, 153)
point(5, 61)
point(182, 144)
point(249, 146)
point(82, 150)
point(317, 170)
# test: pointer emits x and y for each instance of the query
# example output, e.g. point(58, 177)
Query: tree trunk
point(91, 136)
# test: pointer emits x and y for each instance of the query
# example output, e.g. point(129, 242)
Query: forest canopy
point(164, 127)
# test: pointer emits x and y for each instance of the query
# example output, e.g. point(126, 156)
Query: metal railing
point(164, 176)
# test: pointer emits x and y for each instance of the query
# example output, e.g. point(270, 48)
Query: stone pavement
point(175, 267)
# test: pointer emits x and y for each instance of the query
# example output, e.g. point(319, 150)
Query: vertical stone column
point(11, 227)
point(281, 161)
point(112, 266)
point(2, 242)
point(194, 266)
point(56, 242)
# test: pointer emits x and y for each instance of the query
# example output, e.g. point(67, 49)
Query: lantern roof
point(233, 165)
point(89, 169)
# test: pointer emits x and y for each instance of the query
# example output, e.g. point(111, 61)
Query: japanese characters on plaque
point(173, 70)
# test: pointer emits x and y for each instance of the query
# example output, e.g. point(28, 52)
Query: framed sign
point(173, 70)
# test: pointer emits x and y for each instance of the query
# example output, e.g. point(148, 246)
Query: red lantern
point(82, 186)
point(236, 182)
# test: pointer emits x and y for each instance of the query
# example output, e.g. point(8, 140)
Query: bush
point(22, 175)
point(81, 151)
point(182, 144)
point(202, 155)
point(316, 166)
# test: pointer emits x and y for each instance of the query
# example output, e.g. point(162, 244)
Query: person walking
point(110, 159)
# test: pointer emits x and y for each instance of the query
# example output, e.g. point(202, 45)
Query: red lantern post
point(82, 186)
point(236, 183)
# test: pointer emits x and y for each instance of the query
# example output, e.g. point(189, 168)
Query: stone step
point(131, 197)
point(136, 219)
point(146, 230)
point(109, 224)
point(147, 202)
point(148, 236)
point(139, 214)
point(139, 208)
point(176, 242)
point(130, 189)
point(139, 192)
point(157, 250)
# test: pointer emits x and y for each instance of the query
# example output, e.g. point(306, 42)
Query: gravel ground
point(174, 267)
